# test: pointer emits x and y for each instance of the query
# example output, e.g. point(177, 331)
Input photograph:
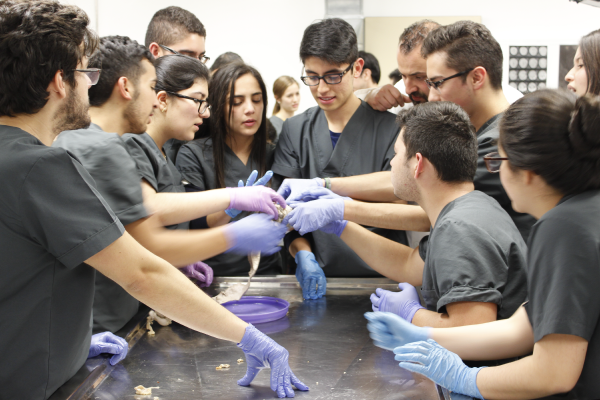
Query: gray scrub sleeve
point(191, 168)
point(286, 161)
point(144, 166)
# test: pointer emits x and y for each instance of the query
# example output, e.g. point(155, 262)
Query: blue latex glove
point(254, 233)
point(106, 342)
point(200, 271)
point(290, 189)
point(232, 212)
point(389, 331)
point(318, 214)
point(316, 193)
point(263, 352)
point(310, 274)
point(440, 365)
point(405, 303)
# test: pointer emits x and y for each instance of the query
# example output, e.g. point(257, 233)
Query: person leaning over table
point(55, 227)
point(549, 164)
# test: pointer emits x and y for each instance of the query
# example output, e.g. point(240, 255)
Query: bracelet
point(327, 183)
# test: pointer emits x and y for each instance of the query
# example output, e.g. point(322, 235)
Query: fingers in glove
point(277, 198)
point(252, 178)
point(381, 292)
point(265, 179)
point(297, 382)
point(284, 190)
point(313, 287)
point(251, 373)
point(287, 385)
point(306, 289)
point(118, 357)
point(322, 289)
point(411, 357)
point(240, 183)
point(375, 301)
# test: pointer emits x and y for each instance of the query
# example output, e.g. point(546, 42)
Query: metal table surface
point(330, 351)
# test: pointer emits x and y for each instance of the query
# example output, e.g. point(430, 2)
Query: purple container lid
point(258, 309)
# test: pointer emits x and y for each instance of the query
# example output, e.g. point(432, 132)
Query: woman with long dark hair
point(237, 146)
point(584, 77)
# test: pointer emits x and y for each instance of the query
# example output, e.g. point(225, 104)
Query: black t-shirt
point(474, 253)
point(52, 219)
point(562, 278)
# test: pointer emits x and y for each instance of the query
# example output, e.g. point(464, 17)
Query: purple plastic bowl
point(258, 309)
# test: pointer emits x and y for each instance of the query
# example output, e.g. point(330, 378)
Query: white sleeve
point(511, 93)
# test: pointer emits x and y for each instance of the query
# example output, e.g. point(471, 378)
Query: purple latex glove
point(232, 212)
point(318, 214)
point(315, 193)
point(255, 198)
point(405, 303)
point(290, 189)
point(200, 272)
point(255, 233)
point(106, 342)
point(263, 352)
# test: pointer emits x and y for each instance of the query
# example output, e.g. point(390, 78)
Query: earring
point(163, 109)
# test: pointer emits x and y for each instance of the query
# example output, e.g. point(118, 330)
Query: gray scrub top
point(52, 219)
point(105, 157)
point(157, 170)
point(278, 125)
point(196, 163)
point(366, 145)
point(486, 264)
point(563, 273)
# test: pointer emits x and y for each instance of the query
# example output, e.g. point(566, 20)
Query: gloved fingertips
point(379, 292)
point(375, 300)
point(241, 183)
point(297, 382)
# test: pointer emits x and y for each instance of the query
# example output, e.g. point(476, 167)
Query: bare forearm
point(217, 219)
point(376, 187)
point(298, 245)
point(174, 208)
point(402, 217)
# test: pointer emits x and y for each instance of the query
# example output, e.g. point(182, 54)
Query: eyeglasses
point(437, 84)
point(203, 59)
point(493, 161)
point(93, 74)
point(202, 104)
point(330, 79)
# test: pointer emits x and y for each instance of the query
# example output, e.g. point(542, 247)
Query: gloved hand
point(389, 331)
point(315, 193)
point(308, 217)
point(255, 198)
point(232, 212)
point(106, 342)
point(290, 189)
point(440, 365)
point(200, 272)
point(263, 352)
point(405, 303)
point(310, 274)
point(255, 233)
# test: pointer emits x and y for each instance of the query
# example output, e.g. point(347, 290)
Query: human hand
point(255, 198)
point(386, 97)
point(106, 342)
point(440, 365)
point(310, 275)
point(308, 217)
point(389, 331)
point(405, 303)
point(254, 233)
point(290, 189)
point(263, 352)
point(232, 212)
point(315, 193)
point(200, 272)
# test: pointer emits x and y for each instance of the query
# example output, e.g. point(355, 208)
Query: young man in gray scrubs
point(55, 228)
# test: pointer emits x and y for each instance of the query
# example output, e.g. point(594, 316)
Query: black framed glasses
point(203, 59)
point(330, 79)
point(93, 74)
point(202, 104)
point(493, 161)
point(437, 84)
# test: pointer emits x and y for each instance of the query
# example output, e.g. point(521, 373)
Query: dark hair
point(372, 64)
point(395, 76)
point(332, 40)
point(468, 45)
point(171, 25)
point(414, 35)
point(590, 52)
point(176, 72)
point(37, 39)
point(222, 85)
point(442, 132)
point(556, 135)
point(118, 56)
point(271, 132)
point(224, 59)
point(279, 87)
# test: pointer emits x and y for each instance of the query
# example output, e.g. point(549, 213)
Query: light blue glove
point(405, 303)
point(106, 342)
point(318, 214)
point(440, 365)
point(263, 352)
point(254, 233)
point(389, 331)
point(290, 189)
point(232, 212)
point(310, 275)
point(316, 193)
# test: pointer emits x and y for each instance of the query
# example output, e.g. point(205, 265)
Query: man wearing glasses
point(343, 136)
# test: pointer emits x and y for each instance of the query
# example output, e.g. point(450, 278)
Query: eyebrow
point(415, 73)
point(241, 95)
point(331, 71)
point(200, 93)
point(191, 52)
point(433, 78)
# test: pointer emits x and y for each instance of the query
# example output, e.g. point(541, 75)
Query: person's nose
point(570, 76)
point(434, 95)
point(249, 108)
point(323, 86)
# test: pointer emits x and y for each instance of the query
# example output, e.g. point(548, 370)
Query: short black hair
point(467, 44)
point(332, 40)
point(395, 76)
point(171, 25)
point(442, 132)
point(415, 34)
point(38, 39)
point(117, 56)
point(224, 59)
point(372, 64)
point(177, 72)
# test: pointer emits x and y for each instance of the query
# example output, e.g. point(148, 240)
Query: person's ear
point(155, 49)
point(358, 67)
point(478, 77)
point(58, 85)
point(162, 101)
point(124, 88)
point(367, 74)
point(419, 165)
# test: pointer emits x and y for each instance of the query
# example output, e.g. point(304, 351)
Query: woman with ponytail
point(549, 164)
point(287, 101)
